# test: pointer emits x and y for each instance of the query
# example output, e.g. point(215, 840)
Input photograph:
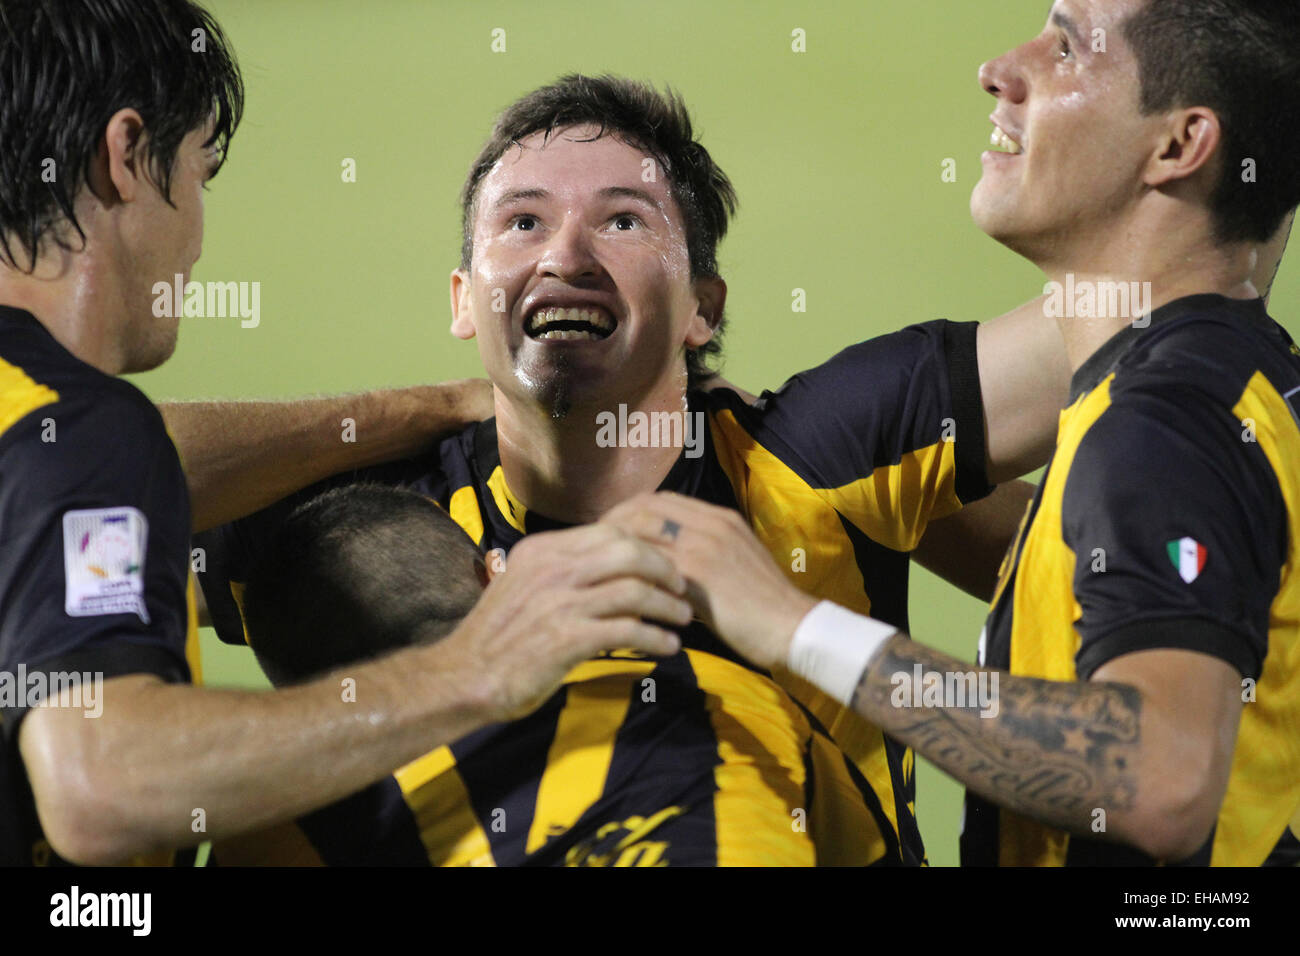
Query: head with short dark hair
point(355, 573)
point(657, 125)
point(1240, 58)
point(68, 66)
point(1125, 117)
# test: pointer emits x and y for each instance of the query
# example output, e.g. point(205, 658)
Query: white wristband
point(832, 647)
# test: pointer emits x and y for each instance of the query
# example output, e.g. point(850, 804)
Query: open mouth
point(1003, 143)
point(554, 323)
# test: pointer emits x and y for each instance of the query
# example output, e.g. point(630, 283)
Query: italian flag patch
point(1188, 556)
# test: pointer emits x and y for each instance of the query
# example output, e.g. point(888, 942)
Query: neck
point(74, 300)
point(1145, 268)
point(568, 469)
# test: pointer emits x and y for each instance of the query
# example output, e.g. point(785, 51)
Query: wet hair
point(67, 67)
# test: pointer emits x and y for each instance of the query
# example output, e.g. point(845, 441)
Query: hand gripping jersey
point(701, 758)
point(94, 550)
point(1168, 518)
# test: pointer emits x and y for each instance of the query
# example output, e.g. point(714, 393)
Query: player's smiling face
point(1069, 139)
point(579, 289)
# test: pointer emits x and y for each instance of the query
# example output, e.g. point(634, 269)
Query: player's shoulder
point(65, 418)
point(1212, 349)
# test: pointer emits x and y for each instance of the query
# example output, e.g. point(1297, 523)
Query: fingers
point(609, 552)
point(630, 597)
point(625, 633)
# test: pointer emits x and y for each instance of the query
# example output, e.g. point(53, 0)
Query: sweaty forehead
point(570, 165)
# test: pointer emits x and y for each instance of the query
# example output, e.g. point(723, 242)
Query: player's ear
point(1187, 146)
point(462, 315)
point(118, 169)
point(710, 298)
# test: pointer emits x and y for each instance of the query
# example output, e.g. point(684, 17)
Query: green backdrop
point(837, 154)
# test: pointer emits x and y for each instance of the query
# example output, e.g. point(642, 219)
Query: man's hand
point(732, 582)
point(567, 596)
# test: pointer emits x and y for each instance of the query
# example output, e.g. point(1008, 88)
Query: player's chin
point(155, 347)
point(990, 213)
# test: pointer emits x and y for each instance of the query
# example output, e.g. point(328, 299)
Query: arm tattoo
point(1051, 750)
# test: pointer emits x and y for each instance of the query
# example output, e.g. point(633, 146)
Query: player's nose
point(568, 253)
point(1002, 78)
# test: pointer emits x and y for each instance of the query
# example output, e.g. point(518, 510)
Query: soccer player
point(353, 574)
point(1140, 680)
point(112, 121)
point(592, 289)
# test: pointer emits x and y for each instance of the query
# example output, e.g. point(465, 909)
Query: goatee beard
point(560, 399)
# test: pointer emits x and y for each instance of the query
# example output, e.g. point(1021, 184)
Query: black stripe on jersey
point(496, 758)
point(884, 577)
point(656, 764)
point(959, 339)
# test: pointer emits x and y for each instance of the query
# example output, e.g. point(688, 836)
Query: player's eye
point(524, 223)
point(625, 221)
point(1065, 47)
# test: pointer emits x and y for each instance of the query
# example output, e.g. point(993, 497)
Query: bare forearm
point(242, 456)
point(1054, 751)
point(967, 549)
point(135, 779)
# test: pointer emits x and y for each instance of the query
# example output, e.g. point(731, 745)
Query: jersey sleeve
point(1178, 528)
point(94, 545)
point(890, 431)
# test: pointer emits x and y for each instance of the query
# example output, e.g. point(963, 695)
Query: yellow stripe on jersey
point(237, 592)
point(192, 655)
point(1044, 640)
point(463, 509)
point(578, 762)
point(1264, 785)
point(20, 395)
point(761, 777)
point(443, 813)
point(843, 830)
point(511, 508)
point(786, 514)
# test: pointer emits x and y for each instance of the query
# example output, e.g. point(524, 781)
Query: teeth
point(1000, 140)
point(594, 317)
point(564, 335)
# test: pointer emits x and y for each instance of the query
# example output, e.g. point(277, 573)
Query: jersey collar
point(1103, 361)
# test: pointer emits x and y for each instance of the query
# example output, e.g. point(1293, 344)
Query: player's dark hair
point(642, 117)
point(1240, 58)
point(66, 66)
point(354, 573)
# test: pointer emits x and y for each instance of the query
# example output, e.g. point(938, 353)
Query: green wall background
point(836, 153)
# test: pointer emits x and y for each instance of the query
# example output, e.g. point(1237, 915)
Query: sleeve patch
point(103, 562)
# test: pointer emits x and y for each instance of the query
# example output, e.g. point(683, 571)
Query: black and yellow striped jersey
point(1168, 518)
point(94, 548)
point(700, 758)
